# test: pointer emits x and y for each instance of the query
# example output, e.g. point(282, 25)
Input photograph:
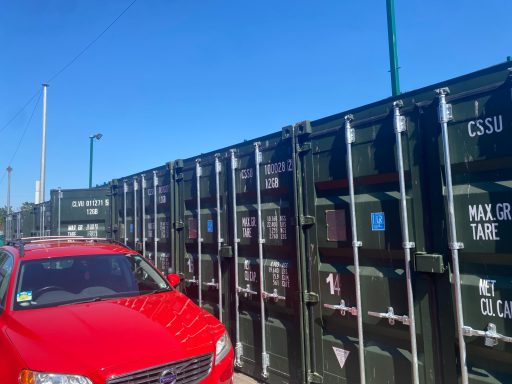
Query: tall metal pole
point(43, 148)
point(91, 138)
point(9, 170)
point(393, 56)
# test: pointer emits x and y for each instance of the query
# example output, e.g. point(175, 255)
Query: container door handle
point(246, 291)
point(491, 336)
point(193, 280)
point(274, 295)
point(212, 284)
point(342, 308)
point(390, 315)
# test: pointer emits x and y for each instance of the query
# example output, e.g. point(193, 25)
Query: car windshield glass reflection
point(78, 279)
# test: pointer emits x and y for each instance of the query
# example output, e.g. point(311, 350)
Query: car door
point(8, 364)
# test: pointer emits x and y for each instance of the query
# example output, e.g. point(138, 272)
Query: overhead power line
point(22, 136)
point(65, 67)
point(19, 112)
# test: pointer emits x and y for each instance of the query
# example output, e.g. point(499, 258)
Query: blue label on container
point(378, 221)
point(210, 225)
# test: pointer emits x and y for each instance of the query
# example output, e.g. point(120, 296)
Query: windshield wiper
point(159, 290)
point(90, 300)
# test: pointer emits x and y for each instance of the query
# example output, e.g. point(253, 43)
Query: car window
point(73, 279)
point(6, 262)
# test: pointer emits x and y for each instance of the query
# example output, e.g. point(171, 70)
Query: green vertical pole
point(393, 56)
point(90, 163)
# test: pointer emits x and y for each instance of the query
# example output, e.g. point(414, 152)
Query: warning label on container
point(378, 221)
point(341, 355)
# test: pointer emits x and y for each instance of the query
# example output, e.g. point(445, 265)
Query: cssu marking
point(486, 126)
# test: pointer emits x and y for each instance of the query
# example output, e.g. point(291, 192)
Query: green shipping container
point(141, 214)
point(80, 212)
point(405, 211)
point(369, 246)
point(42, 219)
point(236, 212)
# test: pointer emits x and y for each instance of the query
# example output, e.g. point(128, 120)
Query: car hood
point(113, 337)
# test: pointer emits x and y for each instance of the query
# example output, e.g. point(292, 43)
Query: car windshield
point(76, 279)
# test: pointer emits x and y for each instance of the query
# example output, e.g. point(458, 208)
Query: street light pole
point(393, 56)
point(9, 170)
point(43, 148)
point(91, 138)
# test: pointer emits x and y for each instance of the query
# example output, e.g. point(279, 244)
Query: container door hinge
point(310, 297)
point(306, 221)
point(314, 377)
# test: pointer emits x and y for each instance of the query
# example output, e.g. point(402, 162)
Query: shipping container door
point(354, 213)
point(158, 218)
point(10, 222)
point(474, 172)
point(42, 215)
point(27, 223)
point(267, 330)
point(129, 212)
point(203, 193)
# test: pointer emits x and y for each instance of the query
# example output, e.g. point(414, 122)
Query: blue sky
point(175, 78)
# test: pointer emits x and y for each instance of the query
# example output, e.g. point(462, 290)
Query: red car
point(77, 311)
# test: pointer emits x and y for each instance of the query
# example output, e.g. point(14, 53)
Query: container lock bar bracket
point(342, 308)
point(390, 315)
point(491, 336)
point(274, 295)
point(212, 284)
point(246, 291)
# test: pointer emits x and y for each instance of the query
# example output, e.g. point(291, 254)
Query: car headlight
point(31, 377)
point(222, 348)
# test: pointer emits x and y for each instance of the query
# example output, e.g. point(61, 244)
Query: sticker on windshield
point(24, 296)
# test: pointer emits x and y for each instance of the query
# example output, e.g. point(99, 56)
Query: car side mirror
point(174, 279)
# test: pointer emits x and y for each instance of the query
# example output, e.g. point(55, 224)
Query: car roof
point(43, 248)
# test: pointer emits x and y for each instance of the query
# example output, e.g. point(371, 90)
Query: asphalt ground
point(242, 379)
